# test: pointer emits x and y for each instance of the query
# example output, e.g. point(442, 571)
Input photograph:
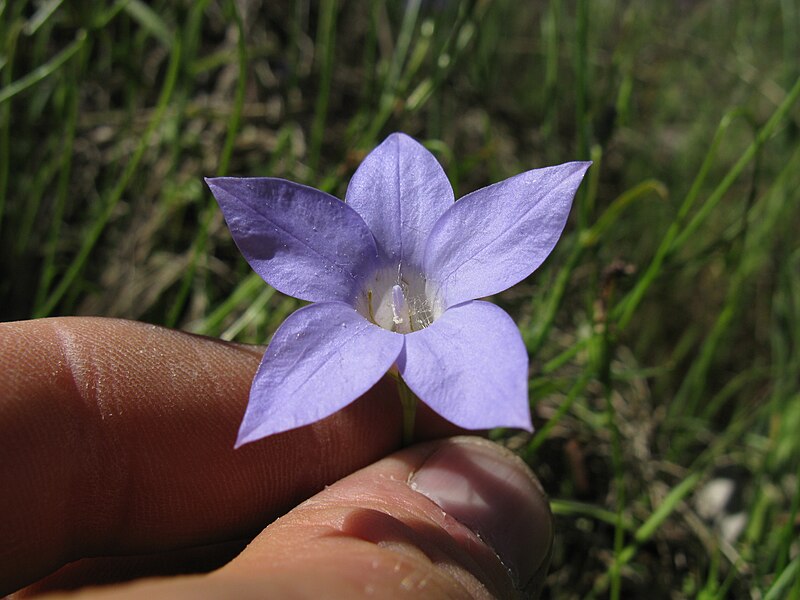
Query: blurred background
point(664, 331)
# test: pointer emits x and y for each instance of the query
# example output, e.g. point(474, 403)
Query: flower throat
point(399, 302)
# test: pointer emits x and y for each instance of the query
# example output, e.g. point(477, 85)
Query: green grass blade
point(789, 577)
point(150, 21)
point(227, 151)
point(591, 236)
point(48, 270)
point(43, 71)
point(326, 47)
point(667, 507)
point(676, 235)
point(10, 48)
point(46, 10)
point(255, 311)
point(648, 528)
point(571, 508)
point(99, 225)
point(245, 291)
point(563, 408)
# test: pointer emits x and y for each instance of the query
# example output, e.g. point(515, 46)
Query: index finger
point(117, 437)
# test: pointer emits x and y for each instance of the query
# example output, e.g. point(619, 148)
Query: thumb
point(454, 518)
point(457, 518)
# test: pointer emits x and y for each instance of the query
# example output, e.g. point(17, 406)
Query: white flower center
point(399, 300)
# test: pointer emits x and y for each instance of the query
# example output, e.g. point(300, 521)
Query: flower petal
point(303, 242)
point(497, 236)
point(400, 190)
point(471, 367)
point(320, 359)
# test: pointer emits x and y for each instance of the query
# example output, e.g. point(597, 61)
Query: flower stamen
point(369, 307)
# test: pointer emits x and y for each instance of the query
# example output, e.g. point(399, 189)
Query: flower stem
point(408, 400)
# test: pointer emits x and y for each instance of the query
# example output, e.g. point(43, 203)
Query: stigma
point(400, 313)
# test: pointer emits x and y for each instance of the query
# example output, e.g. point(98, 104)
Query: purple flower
point(393, 274)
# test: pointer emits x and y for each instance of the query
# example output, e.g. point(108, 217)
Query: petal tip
point(399, 135)
point(253, 430)
point(577, 166)
point(216, 183)
point(245, 436)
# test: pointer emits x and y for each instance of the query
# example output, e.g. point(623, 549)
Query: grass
point(664, 332)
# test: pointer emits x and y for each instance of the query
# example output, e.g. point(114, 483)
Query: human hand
point(116, 451)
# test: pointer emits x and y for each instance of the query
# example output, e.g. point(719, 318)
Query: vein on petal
point(341, 268)
point(502, 234)
point(399, 211)
point(328, 358)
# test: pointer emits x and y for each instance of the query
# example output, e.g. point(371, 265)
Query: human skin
point(117, 460)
